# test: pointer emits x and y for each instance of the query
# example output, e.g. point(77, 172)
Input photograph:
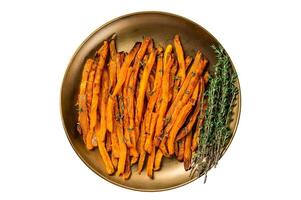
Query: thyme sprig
point(219, 97)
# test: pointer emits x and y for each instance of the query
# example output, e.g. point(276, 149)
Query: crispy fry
point(89, 90)
point(164, 96)
point(176, 148)
point(82, 104)
point(195, 139)
point(85, 75)
point(187, 152)
point(143, 85)
point(125, 115)
point(180, 121)
point(104, 154)
point(173, 81)
point(150, 163)
point(155, 92)
point(148, 147)
point(158, 159)
point(102, 107)
point(110, 113)
point(115, 144)
point(127, 171)
point(140, 146)
point(122, 147)
point(112, 65)
point(124, 68)
point(180, 56)
point(181, 150)
point(103, 52)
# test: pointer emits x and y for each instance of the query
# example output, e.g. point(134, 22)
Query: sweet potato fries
point(142, 106)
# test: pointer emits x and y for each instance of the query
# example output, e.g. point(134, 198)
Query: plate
point(131, 28)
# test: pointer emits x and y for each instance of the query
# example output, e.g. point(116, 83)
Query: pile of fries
point(142, 106)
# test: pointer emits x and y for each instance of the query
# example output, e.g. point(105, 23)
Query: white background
point(37, 39)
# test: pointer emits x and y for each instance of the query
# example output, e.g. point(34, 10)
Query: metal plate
point(129, 29)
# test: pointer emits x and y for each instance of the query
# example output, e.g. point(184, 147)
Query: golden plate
point(129, 29)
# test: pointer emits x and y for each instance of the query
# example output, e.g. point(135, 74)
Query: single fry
point(102, 106)
point(180, 56)
point(123, 149)
point(158, 159)
point(82, 100)
point(187, 151)
point(127, 171)
point(115, 144)
point(143, 85)
point(103, 52)
point(181, 146)
point(150, 163)
point(148, 147)
point(173, 81)
point(105, 157)
point(140, 147)
point(112, 67)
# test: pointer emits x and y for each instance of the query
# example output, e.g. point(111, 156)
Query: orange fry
point(180, 56)
point(103, 52)
point(143, 85)
point(158, 159)
point(150, 163)
point(83, 110)
point(187, 152)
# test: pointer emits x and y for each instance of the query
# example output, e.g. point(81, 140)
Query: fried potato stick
point(181, 147)
point(143, 85)
point(150, 163)
point(180, 56)
point(103, 52)
point(187, 151)
point(158, 160)
point(83, 117)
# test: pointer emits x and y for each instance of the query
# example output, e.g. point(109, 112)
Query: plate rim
point(69, 66)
